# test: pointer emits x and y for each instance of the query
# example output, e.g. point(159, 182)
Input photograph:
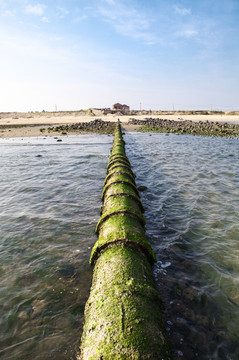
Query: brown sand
point(29, 124)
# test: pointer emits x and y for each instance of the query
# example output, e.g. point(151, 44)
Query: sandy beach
point(36, 124)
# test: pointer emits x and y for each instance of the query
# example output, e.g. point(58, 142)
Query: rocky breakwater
point(206, 128)
point(96, 126)
point(123, 318)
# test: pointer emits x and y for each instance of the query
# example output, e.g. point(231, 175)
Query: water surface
point(50, 195)
point(192, 217)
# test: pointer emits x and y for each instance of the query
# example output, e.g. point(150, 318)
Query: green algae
point(121, 177)
point(120, 167)
point(123, 314)
point(193, 128)
point(118, 172)
point(122, 211)
point(118, 161)
point(119, 149)
point(118, 202)
point(123, 318)
point(119, 195)
point(125, 229)
point(121, 188)
point(121, 159)
point(118, 156)
point(119, 181)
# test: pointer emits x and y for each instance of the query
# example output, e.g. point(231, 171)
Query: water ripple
point(192, 223)
point(50, 199)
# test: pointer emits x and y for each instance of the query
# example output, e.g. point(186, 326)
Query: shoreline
point(14, 125)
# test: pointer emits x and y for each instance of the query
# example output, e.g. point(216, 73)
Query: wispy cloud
point(9, 13)
point(182, 11)
point(45, 19)
point(127, 20)
point(187, 32)
point(80, 18)
point(110, 2)
point(62, 12)
point(37, 9)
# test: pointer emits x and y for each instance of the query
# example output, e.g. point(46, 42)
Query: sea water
point(50, 196)
point(192, 217)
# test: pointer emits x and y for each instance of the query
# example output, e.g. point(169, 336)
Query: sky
point(148, 54)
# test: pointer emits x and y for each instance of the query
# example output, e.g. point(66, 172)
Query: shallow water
point(50, 195)
point(192, 217)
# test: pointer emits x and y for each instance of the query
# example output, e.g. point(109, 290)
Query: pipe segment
point(135, 198)
point(116, 156)
point(121, 188)
point(121, 167)
point(118, 162)
point(123, 317)
point(119, 171)
point(119, 181)
point(119, 157)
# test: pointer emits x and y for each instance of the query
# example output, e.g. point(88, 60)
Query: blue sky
point(78, 54)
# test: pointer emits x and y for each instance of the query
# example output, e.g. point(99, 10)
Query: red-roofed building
point(125, 107)
point(119, 106)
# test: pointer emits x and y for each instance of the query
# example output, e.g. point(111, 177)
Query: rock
point(23, 315)
point(142, 188)
point(66, 271)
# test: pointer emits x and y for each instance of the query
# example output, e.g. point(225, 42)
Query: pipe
point(123, 318)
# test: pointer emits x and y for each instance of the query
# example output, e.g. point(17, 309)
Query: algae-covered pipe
point(123, 317)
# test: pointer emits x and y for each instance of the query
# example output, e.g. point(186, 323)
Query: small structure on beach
point(119, 106)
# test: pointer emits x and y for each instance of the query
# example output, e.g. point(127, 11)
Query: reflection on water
point(192, 222)
point(50, 200)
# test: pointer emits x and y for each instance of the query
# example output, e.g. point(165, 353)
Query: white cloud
point(110, 2)
point(62, 12)
point(80, 18)
point(127, 21)
point(182, 11)
point(45, 19)
point(9, 13)
point(187, 33)
point(55, 38)
point(37, 9)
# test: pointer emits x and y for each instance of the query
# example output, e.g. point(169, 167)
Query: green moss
point(118, 172)
point(121, 188)
point(115, 156)
point(120, 177)
point(121, 210)
point(121, 202)
point(119, 150)
point(117, 167)
point(123, 317)
point(115, 180)
point(201, 129)
point(119, 196)
point(119, 162)
point(125, 229)
point(119, 157)
point(120, 166)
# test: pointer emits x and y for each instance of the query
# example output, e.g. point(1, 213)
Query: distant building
point(119, 106)
point(125, 107)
